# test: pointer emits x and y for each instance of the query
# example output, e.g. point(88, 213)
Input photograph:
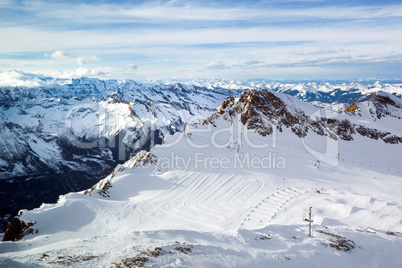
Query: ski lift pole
point(309, 220)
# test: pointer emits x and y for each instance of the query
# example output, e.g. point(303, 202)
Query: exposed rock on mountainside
point(140, 159)
point(385, 104)
point(17, 230)
point(264, 111)
point(353, 108)
point(261, 110)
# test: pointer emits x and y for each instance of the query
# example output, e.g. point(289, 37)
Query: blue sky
point(203, 39)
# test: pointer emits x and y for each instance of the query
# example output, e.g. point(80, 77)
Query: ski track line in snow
point(171, 203)
point(201, 198)
point(264, 211)
point(185, 201)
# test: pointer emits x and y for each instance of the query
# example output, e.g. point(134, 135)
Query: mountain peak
point(386, 99)
point(264, 110)
point(385, 105)
point(353, 108)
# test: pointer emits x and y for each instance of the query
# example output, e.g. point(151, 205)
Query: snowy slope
point(223, 195)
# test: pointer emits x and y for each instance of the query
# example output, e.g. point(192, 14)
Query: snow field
point(232, 216)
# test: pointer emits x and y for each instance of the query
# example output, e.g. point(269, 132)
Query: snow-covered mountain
point(61, 135)
point(266, 113)
point(331, 95)
point(37, 123)
point(231, 191)
point(65, 134)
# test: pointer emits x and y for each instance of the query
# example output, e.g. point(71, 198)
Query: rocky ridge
point(266, 111)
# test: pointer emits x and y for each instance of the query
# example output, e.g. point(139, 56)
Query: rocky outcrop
point(371, 133)
point(18, 229)
point(353, 108)
point(345, 130)
point(102, 188)
point(263, 110)
point(385, 105)
point(140, 159)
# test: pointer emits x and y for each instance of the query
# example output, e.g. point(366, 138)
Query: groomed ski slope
point(232, 213)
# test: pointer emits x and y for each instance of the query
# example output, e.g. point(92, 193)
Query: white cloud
point(164, 60)
point(320, 51)
point(82, 60)
point(216, 65)
point(126, 69)
point(101, 71)
point(80, 72)
point(7, 3)
point(265, 34)
point(19, 79)
point(55, 74)
point(117, 13)
point(160, 42)
point(60, 55)
point(132, 66)
point(251, 63)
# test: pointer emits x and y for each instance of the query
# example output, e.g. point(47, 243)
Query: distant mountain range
point(328, 94)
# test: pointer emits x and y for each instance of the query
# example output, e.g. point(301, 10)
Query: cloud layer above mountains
point(186, 39)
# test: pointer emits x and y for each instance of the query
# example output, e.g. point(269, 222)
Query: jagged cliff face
point(261, 110)
point(265, 111)
point(385, 105)
point(17, 230)
point(353, 108)
point(379, 105)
